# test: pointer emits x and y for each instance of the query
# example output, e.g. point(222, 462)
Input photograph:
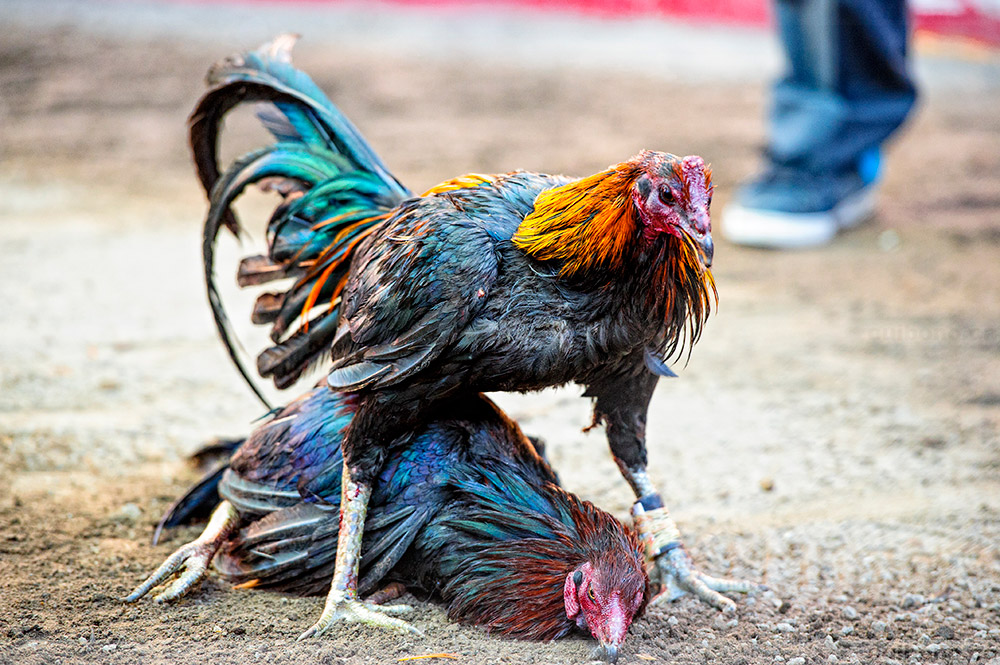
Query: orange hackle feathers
point(686, 291)
point(584, 224)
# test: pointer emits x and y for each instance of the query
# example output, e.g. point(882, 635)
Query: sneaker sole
point(783, 230)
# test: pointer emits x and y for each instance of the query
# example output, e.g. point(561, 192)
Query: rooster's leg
point(193, 558)
point(342, 602)
point(622, 405)
point(674, 569)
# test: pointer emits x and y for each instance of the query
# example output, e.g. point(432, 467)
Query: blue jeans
point(847, 88)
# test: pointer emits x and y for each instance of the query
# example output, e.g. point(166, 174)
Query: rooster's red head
point(603, 597)
point(672, 195)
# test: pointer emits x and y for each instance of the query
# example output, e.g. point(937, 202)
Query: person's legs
point(846, 90)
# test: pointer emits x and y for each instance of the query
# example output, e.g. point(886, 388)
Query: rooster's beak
point(700, 234)
point(607, 652)
point(707, 248)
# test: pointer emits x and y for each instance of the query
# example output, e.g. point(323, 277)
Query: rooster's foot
point(678, 576)
point(193, 558)
point(342, 604)
point(672, 568)
point(341, 608)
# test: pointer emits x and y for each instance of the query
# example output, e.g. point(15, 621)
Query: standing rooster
point(484, 283)
point(466, 509)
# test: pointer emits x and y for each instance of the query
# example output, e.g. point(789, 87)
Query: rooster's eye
point(591, 594)
point(666, 196)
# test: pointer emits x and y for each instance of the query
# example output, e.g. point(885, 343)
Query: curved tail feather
point(335, 190)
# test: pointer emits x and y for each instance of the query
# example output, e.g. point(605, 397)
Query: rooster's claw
point(341, 608)
point(193, 558)
point(675, 572)
point(671, 567)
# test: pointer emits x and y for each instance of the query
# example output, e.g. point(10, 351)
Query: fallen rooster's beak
point(607, 652)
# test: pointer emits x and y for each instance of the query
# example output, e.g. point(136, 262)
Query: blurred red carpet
point(977, 20)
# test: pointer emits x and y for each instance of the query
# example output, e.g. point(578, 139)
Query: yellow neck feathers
point(461, 182)
point(585, 224)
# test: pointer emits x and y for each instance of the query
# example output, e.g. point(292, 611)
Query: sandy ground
point(834, 436)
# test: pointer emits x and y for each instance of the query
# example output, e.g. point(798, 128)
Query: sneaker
point(788, 209)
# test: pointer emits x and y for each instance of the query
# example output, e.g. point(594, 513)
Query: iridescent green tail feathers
point(334, 191)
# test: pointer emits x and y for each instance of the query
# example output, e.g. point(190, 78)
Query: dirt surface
point(835, 434)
